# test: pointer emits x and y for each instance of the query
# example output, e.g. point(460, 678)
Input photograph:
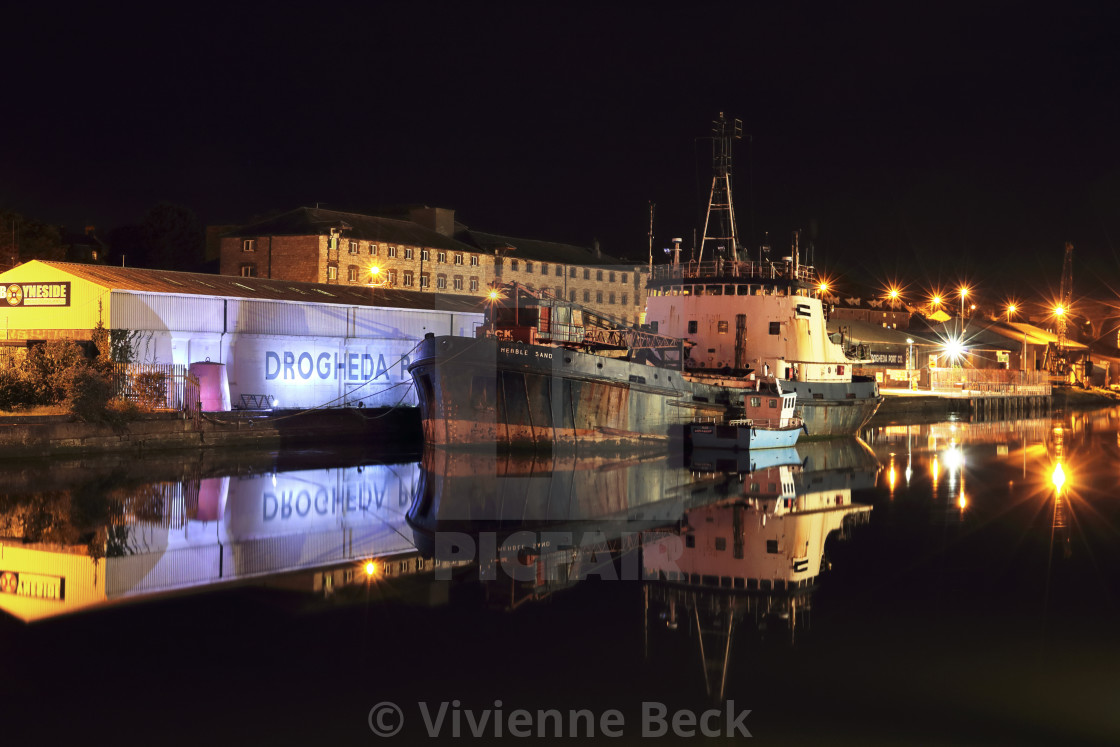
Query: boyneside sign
point(37, 294)
point(33, 585)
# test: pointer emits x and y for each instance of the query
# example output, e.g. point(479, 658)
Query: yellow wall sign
point(33, 585)
point(37, 294)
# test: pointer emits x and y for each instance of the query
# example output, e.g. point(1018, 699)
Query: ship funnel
point(677, 251)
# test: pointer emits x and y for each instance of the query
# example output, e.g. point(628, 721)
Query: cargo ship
point(544, 372)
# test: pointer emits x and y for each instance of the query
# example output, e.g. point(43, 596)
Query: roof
point(869, 332)
point(307, 221)
point(542, 251)
point(202, 284)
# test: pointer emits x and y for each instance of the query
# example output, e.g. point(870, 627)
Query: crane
point(1060, 361)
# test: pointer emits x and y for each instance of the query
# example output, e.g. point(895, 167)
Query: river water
point(952, 583)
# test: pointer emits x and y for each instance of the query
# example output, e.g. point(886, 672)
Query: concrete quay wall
point(58, 436)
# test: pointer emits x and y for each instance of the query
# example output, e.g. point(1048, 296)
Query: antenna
point(721, 213)
point(651, 208)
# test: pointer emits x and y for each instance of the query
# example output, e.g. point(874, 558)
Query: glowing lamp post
point(964, 294)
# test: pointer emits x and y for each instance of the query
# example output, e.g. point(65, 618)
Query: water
point(928, 585)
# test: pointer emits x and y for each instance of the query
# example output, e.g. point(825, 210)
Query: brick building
point(427, 250)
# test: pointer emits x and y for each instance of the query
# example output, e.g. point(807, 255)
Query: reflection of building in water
point(172, 536)
point(755, 558)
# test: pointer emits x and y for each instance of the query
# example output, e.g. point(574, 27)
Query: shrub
point(88, 394)
point(48, 369)
point(15, 389)
point(149, 388)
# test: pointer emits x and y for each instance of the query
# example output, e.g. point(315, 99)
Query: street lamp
point(964, 294)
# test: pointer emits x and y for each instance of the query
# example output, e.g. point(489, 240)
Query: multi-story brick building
point(428, 251)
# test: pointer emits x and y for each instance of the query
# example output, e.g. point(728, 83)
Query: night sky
point(931, 145)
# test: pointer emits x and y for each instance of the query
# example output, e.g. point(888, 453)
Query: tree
point(23, 239)
point(173, 237)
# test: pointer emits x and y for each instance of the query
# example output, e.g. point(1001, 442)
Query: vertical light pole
point(910, 365)
point(1011, 309)
point(964, 294)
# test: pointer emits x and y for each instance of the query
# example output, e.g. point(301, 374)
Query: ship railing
point(766, 422)
point(749, 269)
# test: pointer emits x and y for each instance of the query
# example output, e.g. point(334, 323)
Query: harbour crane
point(1059, 361)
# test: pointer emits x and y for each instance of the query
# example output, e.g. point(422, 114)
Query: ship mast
point(721, 214)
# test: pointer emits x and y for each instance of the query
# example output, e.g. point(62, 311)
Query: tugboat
point(766, 422)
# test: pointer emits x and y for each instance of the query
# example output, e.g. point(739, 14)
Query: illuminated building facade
point(426, 250)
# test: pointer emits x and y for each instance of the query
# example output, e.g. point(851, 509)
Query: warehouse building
point(298, 345)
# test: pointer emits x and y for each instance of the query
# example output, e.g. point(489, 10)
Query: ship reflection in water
point(523, 527)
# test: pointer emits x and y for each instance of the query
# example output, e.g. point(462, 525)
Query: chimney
point(595, 245)
point(440, 220)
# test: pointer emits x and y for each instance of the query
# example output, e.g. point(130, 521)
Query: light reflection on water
point(937, 568)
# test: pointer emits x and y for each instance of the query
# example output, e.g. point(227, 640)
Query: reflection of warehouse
point(304, 344)
point(242, 527)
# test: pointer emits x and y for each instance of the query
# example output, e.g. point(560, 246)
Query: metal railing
point(719, 268)
point(159, 386)
point(989, 382)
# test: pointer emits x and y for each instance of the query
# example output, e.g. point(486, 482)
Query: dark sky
point(933, 144)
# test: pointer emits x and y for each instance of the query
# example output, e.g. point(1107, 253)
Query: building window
point(610, 299)
point(624, 278)
point(598, 296)
point(474, 282)
point(332, 272)
point(528, 267)
point(352, 273)
point(372, 249)
point(721, 544)
point(441, 282)
point(625, 299)
point(571, 272)
point(587, 296)
point(457, 282)
point(392, 275)
point(425, 279)
point(458, 258)
point(559, 271)
point(248, 245)
point(775, 328)
point(544, 268)
point(441, 256)
point(391, 252)
point(572, 296)
point(692, 327)
point(353, 247)
point(248, 271)
point(721, 327)
point(611, 278)
point(425, 255)
point(474, 260)
point(406, 278)
point(586, 273)
point(598, 274)
point(513, 265)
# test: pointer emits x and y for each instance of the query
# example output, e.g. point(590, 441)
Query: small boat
point(767, 421)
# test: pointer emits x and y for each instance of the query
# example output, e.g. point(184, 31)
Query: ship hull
point(834, 408)
point(487, 392)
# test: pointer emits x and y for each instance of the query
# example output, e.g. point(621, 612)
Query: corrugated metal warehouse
point(305, 344)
